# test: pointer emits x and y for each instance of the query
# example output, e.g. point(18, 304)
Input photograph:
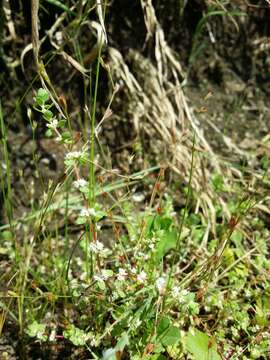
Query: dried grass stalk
point(157, 106)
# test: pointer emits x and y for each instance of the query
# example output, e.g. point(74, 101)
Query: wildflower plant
point(171, 262)
point(152, 288)
point(43, 105)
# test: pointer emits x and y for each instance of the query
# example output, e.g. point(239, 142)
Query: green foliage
point(167, 242)
point(201, 346)
point(37, 330)
point(111, 354)
point(42, 97)
point(168, 335)
point(77, 336)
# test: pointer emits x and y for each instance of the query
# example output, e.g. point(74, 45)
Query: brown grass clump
point(155, 102)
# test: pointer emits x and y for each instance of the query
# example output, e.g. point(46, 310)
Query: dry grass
point(157, 105)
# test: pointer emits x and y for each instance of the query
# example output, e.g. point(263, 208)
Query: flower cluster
point(96, 247)
point(80, 183)
point(75, 157)
point(161, 284)
point(87, 212)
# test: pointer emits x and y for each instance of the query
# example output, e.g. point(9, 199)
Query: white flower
point(74, 284)
point(138, 197)
point(142, 277)
point(59, 37)
point(87, 212)
point(73, 155)
point(80, 183)
point(79, 261)
point(52, 335)
point(103, 276)
point(175, 292)
point(179, 295)
point(98, 277)
point(161, 285)
point(133, 270)
point(53, 124)
point(96, 247)
point(83, 276)
point(40, 335)
point(121, 274)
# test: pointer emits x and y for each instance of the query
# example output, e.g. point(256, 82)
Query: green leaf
point(61, 5)
point(237, 238)
point(6, 235)
point(110, 354)
point(67, 138)
point(82, 220)
point(42, 97)
point(168, 335)
point(166, 243)
point(37, 330)
point(49, 133)
point(122, 342)
point(101, 284)
point(107, 273)
point(198, 344)
point(171, 337)
point(163, 325)
point(77, 336)
point(163, 223)
point(218, 182)
point(48, 115)
point(61, 123)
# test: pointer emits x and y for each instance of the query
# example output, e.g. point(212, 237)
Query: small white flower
point(142, 277)
point(52, 335)
point(175, 292)
point(182, 295)
point(103, 276)
point(73, 155)
point(80, 183)
point(141, 254)
point(98, 277)
point(133, 270)
point(42, 269)
point(73, 284)
point(59, 37)
point(79, 261)
point(40, 335)
point(161, 285)
point(83, 276)
point(121, 274)
point(96, 247)
point(138, 197)
point(179, 294)
point(48, 315)
point(53, 124)
point(87, 212)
